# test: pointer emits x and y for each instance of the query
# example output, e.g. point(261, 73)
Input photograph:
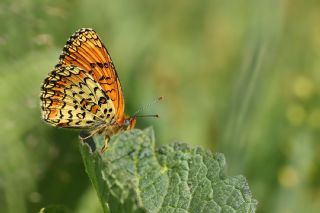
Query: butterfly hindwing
point(70, 97)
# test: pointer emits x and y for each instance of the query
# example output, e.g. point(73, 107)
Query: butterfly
point(83, 90)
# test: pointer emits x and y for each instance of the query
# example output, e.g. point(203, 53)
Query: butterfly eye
point(126, 122)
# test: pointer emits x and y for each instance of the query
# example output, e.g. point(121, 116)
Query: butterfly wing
point(85, 50)
point(71, 97)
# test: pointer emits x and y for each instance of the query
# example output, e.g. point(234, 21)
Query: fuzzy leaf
point(133, 176)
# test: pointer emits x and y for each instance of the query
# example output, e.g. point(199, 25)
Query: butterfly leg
point(92, 133)
point(86, 137)
point(106, 144)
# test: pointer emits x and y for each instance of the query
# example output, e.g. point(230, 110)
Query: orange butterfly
point(83, 91)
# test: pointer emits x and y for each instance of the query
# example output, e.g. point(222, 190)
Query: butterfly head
point(127, 122)
point(130, 122)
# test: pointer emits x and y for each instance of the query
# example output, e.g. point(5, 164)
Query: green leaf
point(133, 176)
point(54, 209)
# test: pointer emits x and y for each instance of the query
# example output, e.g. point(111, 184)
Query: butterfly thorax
point(108, 129)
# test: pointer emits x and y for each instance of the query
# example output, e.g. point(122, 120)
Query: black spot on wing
point(81, 115)
point(70, 113)
point(100, 64)
point(102, 100)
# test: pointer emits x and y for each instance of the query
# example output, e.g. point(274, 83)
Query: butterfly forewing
point(85, 50)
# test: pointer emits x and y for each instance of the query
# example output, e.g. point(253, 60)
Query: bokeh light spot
point(296, 114)
point(303, 87)
point(288, 177)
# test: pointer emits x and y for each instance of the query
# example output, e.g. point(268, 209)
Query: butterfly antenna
point(152, 116)
point(146, 107)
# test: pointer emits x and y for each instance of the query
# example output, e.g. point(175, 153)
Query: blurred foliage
point(241, 76)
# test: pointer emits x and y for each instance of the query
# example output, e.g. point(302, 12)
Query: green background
point(239, 77)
